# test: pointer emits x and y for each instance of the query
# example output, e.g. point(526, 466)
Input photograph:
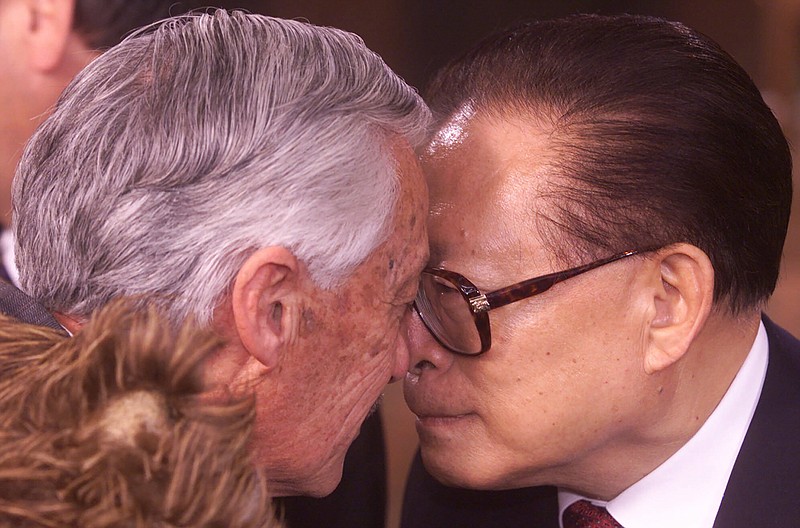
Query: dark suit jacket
point(19, 306)
point(763, 490)
point(360, 499)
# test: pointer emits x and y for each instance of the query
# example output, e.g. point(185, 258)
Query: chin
point(319, 486)
point(311, 478)
point(325, 480)
point(452, 471)
point(463, 470)
point(324, 489)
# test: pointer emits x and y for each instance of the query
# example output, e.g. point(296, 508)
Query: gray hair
point(191, 144)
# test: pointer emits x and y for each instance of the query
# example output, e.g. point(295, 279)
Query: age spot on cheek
point(309, 322)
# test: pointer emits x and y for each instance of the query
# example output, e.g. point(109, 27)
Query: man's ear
point(48, 30)
point(684, 292)
point(262, 289)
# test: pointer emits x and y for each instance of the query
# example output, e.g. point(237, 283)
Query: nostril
point(414, 373)
point(423, 365)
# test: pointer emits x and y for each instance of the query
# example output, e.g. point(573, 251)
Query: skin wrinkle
point(355, 348)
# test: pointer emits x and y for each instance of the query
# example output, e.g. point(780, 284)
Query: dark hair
point(660, 137)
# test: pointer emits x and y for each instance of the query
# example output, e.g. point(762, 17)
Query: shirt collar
point(7, 255)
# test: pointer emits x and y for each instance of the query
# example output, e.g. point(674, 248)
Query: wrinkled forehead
point(407, 245)
point(487, 176)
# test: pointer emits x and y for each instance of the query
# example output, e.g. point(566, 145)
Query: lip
point(430, 409)
point(440, 421)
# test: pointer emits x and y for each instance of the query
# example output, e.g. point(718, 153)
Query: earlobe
point(49, 28)
point(682, 301)
point(263, 286)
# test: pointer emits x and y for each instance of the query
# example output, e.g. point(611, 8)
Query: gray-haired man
point(257, 174)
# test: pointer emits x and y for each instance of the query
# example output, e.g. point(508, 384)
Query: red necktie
point(584, 514)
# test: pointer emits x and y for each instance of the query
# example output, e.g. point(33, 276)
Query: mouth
point(433, 415)
point(428, 423)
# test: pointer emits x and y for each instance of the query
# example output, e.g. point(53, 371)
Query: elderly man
point(257, 174)
point(42, 46)
point(609, 202)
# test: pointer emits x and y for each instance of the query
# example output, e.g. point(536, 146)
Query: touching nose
point(425, 353)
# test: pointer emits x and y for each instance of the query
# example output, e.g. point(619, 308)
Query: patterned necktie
point(584, 514)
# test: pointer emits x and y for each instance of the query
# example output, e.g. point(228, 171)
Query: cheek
point(379, 330)
point(526, 386)
point(545, 408)
point(511, 400)
point(367, 342)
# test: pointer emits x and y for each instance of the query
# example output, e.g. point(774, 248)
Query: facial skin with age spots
point(350, 343)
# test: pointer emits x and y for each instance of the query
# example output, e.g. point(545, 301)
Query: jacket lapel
point(764, 487)
point(16, 304)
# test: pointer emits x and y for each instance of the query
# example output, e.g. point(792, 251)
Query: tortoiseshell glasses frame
point(445, 316)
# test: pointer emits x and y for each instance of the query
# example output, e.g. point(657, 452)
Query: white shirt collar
point(687, 489)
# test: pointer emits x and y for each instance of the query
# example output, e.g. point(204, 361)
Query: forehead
point(413, 196)
point(488, 183)
point(407, 246)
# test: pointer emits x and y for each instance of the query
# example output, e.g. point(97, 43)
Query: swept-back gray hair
point(179, 152)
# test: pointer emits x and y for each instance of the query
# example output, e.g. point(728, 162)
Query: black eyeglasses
point(456, 312)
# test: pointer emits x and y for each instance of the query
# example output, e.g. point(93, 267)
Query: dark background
point(415, 37)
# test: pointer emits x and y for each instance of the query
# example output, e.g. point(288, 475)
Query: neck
point(679, 402)
point(71, 323)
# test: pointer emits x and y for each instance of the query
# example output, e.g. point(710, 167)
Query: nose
point(425, 353)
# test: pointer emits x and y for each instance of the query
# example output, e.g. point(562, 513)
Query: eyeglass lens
point(446, 313)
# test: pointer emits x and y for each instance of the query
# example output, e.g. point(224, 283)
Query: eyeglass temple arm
point(529, 288)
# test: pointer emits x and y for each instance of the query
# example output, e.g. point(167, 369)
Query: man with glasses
point(632, 169)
